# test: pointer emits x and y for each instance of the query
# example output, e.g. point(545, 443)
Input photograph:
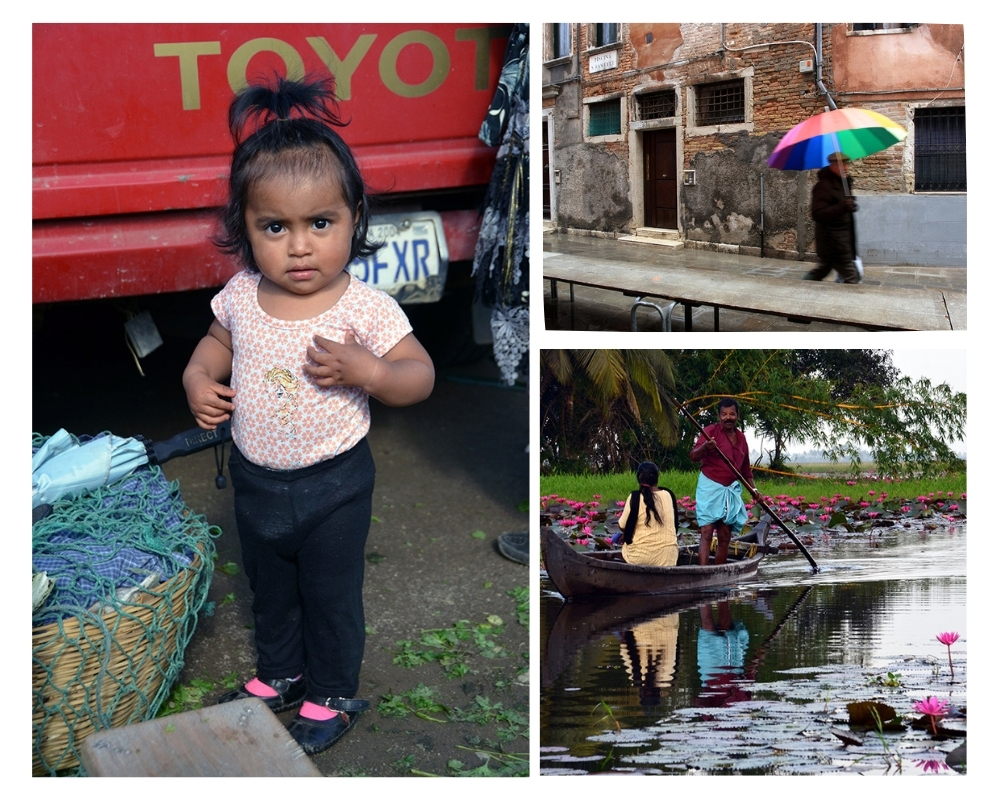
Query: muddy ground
point(452, 475)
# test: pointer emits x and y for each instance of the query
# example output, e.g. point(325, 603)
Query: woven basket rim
point(157, 593)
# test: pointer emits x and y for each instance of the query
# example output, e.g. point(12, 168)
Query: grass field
point(616, 487)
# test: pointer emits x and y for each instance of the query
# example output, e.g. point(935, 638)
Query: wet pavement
point(604, 310)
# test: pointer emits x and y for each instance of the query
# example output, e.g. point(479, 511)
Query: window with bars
point(881, 26)
point(720, 103)
point(939, 149)
point(657, 105)
point(560, 40)
point(605, 33)
point(605, 118)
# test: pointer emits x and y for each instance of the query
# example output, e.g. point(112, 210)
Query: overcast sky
point(938, 366)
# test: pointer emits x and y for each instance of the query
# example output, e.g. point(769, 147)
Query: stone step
point(658, 233)
point(657, 240)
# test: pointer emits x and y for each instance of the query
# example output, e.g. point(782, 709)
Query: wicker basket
point(73, 687)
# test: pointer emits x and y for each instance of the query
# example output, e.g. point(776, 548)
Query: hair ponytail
point(648, 475)
point(282, 100)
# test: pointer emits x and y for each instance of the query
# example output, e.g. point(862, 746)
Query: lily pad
point(865, 714)
point(847, 737)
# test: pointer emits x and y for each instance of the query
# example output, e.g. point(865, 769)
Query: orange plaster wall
point(922, 58)
point(666, 41)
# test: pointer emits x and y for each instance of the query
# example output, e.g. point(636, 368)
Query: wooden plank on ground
point(238, 739)
point(874, 307)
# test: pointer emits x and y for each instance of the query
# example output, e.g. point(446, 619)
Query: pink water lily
point(948, 639)
point(933, 707)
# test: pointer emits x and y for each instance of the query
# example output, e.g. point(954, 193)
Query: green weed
point(609, 715)
point(522, 597)
point(186, 697)
point(452, 647)
point(404, 764)
point(890, 679)
point(496, 764)
point(419, 701)
point(483, 712)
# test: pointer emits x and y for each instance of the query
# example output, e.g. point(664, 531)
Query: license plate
point(412, 263)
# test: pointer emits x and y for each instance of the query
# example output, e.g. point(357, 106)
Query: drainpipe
point(762, 215)
point(819, 68)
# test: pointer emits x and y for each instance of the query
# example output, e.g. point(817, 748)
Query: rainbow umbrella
point(855, 132)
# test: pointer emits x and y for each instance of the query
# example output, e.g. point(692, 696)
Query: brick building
point(664, 130)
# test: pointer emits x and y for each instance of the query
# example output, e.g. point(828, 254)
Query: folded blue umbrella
point(64, 466)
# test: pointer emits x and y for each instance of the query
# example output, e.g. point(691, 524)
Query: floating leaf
point(847, 737)
point(872, 714)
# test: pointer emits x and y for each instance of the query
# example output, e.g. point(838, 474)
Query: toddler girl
point(305, 344)
point(651, 540)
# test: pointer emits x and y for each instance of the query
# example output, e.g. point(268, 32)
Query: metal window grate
point(605, 33)
point(605, 118)
point(657, 105)
point(881, 26)
point(939, 149)
point(720, 103)
point(560, 39)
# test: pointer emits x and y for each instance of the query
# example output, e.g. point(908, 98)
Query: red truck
point(131, 148)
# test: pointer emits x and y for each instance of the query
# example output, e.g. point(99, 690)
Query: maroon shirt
point(712, 465)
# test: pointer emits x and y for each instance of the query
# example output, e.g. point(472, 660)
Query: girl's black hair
point(648, 475)
point(283, 125)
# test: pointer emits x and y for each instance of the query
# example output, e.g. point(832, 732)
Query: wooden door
point(660, 178)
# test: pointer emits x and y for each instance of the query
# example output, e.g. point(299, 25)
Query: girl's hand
point(403, 376)
point(335, 364)
point(211, 363)
point(209, 401)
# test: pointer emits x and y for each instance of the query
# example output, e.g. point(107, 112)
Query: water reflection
point(722, 646)
point(761, 674)
point(649, 652)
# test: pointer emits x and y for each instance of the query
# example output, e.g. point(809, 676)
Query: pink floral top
point(283, 420)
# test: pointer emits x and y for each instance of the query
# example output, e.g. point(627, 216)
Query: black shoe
point(290, 694)
point(315, 736)
point(514, 546)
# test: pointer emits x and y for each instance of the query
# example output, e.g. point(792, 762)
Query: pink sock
point(316, 712)
point(258, 688)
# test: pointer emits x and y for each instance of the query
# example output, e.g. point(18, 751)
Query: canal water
point(759, 680)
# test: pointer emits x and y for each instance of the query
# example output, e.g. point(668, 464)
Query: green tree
point(605, 410)
point(771, 397)
point(840, 401)
point(845, 370)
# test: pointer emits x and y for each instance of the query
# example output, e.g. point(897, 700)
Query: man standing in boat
point(719, 496)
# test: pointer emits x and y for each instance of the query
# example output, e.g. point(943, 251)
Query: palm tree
point(604, 410)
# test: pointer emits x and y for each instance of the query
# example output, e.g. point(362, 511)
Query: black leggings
point(302, 533)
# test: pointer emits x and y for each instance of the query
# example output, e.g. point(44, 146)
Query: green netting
point(132, 567)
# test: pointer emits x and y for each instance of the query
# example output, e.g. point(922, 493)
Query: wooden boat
point(578, 574)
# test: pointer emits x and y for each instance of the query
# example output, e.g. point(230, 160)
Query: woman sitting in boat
point(650, 532)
